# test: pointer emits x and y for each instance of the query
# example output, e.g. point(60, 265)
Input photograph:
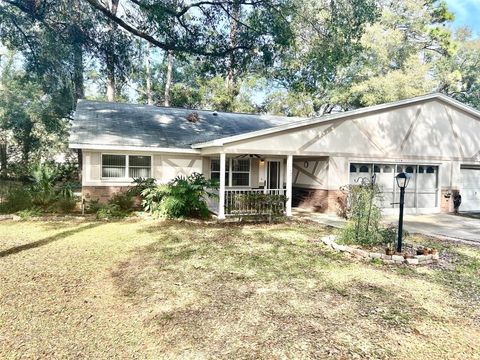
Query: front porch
point(252, 184)
point(262, 184)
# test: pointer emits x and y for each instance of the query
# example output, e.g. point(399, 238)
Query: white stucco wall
point(164, 167)
point(311, 173)
point(430, 132)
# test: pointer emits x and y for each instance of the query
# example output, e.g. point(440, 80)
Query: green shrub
point(17, 199)
point(44, 178)
point(110, 211)
point(141, 184)
point(92, 206)
point(66, 190)
point(66, 205)
point(66, 172)
point(181, 197)
point(364, 216)
point(27, 214)
point(124, 201)
point(389, 236)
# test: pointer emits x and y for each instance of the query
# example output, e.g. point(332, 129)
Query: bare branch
point(163, 45)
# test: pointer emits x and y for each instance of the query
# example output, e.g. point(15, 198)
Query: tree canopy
point(289, 57)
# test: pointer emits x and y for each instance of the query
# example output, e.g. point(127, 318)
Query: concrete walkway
point(447, 226)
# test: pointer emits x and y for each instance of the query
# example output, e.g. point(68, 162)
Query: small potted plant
point(434, 251)
point(389, 235)
point(425, 251)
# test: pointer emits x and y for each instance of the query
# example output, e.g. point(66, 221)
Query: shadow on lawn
point(269, 254)
point(47, 240)
point(254, 291)
point(260, 299)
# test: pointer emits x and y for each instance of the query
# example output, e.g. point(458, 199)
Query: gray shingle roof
point(104, 123)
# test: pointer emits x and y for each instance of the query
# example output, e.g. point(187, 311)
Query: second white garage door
point(470, 189)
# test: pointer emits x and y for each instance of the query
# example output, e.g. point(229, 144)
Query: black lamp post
point(402, 181)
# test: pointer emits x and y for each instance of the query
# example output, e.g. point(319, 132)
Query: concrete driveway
point(451, 227)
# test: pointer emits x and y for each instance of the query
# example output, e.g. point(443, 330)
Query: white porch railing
point(253, 202)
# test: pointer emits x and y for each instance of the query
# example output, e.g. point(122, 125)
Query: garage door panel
point(422, 190)
point(426, 200)
point(427, 181)
point(470, 188)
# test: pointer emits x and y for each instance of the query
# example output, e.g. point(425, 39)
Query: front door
point(273, 174)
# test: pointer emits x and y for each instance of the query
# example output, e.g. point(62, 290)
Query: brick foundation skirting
point(101, 193)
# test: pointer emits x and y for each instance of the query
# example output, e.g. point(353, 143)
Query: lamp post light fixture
point(402, 181)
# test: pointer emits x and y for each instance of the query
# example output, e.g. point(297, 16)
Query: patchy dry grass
point(143, 289)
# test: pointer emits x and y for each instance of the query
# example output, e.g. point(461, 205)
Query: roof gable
point(342, 116)
point(429, 129)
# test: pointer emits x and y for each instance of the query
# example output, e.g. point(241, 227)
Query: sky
point(467, 13)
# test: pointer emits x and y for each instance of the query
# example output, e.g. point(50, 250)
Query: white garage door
point(470, 190)
point(421, 194)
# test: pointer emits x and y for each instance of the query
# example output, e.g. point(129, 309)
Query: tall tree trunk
point(78, 71)
point(168, 78)
point(148, 75)
point(78, 39)
point(3, 158)
point(231, 80)
point(110, 55)
point(110, 59)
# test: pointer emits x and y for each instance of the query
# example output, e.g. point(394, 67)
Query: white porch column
point(289, 174)
point(221, 200)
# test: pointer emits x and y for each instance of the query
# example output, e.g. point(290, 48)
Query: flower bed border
point(329, 241)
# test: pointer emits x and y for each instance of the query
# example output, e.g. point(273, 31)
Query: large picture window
point(239, 174)
point(118, 166)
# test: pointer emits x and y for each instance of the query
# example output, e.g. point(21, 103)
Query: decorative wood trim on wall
point(410, 129)
point(476, 156)
point(295, 180)
point(183, 170)
point(320, 136)
point(455, 135)
point(306, 173)
point(369, 136)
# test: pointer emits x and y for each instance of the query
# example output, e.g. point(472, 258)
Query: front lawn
point(149, 289)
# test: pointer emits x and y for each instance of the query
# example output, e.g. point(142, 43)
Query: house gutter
point(134, 148)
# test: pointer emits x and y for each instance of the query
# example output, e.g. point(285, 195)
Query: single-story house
point(433, 137)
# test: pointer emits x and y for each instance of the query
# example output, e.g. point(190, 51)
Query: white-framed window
point(237, 171)
point(215, 170)
point(240, 172)
point(114, 166)
point(117, 166)
point(139, 166)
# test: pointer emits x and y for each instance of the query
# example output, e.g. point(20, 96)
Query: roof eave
point(155, 149)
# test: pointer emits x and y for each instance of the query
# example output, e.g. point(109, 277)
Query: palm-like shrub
point(141, 184)
point(44, 178)
point(181, 197)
